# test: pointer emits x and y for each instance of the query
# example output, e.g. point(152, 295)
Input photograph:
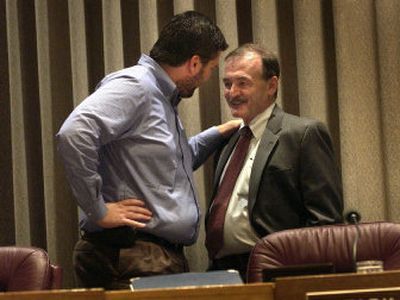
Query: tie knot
point(245, 131)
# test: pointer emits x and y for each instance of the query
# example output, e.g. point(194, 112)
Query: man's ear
point(194, 65)
point(273, 85)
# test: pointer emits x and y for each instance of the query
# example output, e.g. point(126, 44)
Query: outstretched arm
point(205, 143)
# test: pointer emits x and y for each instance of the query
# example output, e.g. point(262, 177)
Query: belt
point(125, 237)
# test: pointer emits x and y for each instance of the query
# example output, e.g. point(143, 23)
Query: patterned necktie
point(216, 218)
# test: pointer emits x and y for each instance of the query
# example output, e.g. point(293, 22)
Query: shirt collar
point(258, 124)
point(165, 83)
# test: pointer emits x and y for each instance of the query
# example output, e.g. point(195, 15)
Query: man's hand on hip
point(128, 212)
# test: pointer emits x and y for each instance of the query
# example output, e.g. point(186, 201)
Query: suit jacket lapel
point(268, 141)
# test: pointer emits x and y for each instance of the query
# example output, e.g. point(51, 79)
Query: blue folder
point(186, 279)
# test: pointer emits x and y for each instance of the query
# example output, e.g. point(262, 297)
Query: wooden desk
point(295, 288)
point(74, 294)
point(260, 291)
point(289, 288)
point(367, 294)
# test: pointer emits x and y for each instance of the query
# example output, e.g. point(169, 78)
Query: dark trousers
point(109, 259)
point(232, 262)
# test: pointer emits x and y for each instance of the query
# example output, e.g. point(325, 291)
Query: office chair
point(326, 244)
point(27, 268)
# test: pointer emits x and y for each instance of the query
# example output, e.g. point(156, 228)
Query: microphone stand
point(354, 218)
point(355, 244)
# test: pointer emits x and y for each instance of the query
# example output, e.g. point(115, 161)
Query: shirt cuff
point(214, 137)
point(97, 211)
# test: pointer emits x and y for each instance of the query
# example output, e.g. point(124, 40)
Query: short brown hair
point(269, 59)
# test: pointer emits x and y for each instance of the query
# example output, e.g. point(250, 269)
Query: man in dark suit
point(288, 177)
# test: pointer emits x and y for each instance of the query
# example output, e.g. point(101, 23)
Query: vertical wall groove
point(191, 119)
point(77, 29)
point(19, 162)
point(149, 24)
point(358, 97)
point(112, 29)
point(7, 220)
point(55, 86)
point(228, 26)
point(388, 27)
point(265, 20)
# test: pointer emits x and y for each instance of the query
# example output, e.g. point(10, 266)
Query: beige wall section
point(112, 36)
point(19, 163)
point(55, 89)
point(388, 28)
point(148, 24)
point(227, 22)
point(189, 111)
point(183, 5)
point(359, 108)
point(45, 91)
point(77, 31)
point(265, 28)
point(264, 24)
point(310, 56)
point(316, 65)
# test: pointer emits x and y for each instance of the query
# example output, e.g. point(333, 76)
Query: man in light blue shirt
point(129, 163)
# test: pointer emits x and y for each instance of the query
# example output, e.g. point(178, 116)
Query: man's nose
point(234, 91)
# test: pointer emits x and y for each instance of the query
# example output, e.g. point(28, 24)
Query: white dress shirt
point(239, 236)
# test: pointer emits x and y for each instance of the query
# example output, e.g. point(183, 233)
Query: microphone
point(353, 217)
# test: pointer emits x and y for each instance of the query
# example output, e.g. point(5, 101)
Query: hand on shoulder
point(227, 128)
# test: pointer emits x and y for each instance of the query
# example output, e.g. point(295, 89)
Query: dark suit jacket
point(294, 181)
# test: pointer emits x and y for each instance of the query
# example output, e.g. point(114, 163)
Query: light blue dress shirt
point(126, 141)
